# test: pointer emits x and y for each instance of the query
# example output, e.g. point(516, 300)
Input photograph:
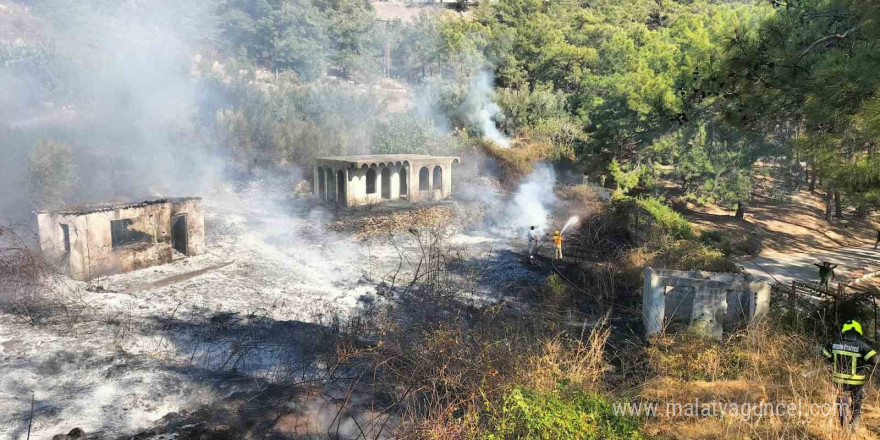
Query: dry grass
point(582, 198)
point(578, 362)
point(448, 377)
point(23, 276)
point(517, 162)
point(759, 365)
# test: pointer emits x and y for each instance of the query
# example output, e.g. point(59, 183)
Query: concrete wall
point(195, 223)
point(74, 264)
point(706, 300)
point(354, 192)
point(91, 248)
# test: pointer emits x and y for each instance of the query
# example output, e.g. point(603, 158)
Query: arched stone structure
point(362, 180)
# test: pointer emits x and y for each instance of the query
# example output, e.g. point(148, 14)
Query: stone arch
point(340, 186)
point(371, 181)
point(424, 184)
point(438, 177)
point(404, 188)
point(321, 185)
point(386, 182)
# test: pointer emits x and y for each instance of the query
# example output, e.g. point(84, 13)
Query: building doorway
point(178, 233)
point(423, 179)
point(438, 178)
point(340, 187)
point(386, 183)
point(404, 189)
point(321, 188)
point(331, 189)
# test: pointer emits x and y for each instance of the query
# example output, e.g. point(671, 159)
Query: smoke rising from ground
point(483, 110)
point(116, 86)
point(531, 204)
point(534, 200)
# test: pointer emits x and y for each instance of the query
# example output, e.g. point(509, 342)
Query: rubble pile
point(383, 222)
point(303, 189)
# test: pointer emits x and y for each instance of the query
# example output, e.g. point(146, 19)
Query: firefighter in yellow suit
point(853, 360)
point(557, 242)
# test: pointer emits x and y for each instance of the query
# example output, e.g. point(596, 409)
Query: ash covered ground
point(126, 350)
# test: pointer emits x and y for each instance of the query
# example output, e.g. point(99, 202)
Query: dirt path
point(853, 263)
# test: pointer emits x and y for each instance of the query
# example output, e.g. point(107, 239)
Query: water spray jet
point(570, 222)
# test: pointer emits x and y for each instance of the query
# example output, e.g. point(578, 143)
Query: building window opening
point(121, 234)
point(66, 231)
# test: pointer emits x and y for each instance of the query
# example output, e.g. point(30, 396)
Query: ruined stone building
point(363, 180)
point(93, 241)
point(709, 302)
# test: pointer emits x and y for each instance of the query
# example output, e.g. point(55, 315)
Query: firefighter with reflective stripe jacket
point(853, 360)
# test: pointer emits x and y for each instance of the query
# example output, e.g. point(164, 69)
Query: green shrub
point(666, 218)
point(717, 239)
point(729, 244)
point(625, 179)
point(565, 413)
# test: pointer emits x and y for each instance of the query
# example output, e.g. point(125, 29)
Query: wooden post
point(874, 301)
point(837, 298)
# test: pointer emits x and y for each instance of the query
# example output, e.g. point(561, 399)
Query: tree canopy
point(812, 67)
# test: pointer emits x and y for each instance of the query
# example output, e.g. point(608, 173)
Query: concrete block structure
point(364, 180)
point(710, 301)
point(93, 241)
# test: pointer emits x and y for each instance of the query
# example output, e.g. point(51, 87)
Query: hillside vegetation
point(676, 110)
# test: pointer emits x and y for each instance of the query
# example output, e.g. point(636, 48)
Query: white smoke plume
point(483, 110)
point(531, 205)
point(121, 95)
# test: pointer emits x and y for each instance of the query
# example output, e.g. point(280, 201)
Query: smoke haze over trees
point(170, 96)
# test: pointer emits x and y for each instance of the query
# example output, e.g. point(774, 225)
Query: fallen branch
point(828, 37)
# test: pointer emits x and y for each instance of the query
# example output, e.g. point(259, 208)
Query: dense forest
point(691, 91)
point(650, 137)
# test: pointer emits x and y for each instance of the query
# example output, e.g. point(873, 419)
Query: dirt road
point(853, 263)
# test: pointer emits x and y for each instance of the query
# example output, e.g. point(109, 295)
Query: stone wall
point(92, 253)
point(710, 301)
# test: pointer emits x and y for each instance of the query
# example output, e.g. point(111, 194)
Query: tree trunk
point(838, 210)
point(813, 177)
point(828, 204)
point(740, 210)
point(862, 211)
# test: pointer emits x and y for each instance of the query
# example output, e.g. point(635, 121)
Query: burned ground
point(260, 311)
